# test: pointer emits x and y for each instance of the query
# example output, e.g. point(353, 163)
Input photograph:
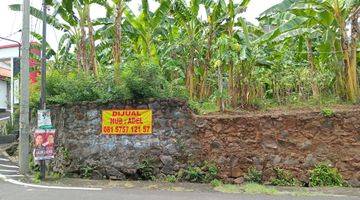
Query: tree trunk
point(221, 89)
point(310, 53)
point(92, 56)
point(117, 43)
point(232, 85)
point(340, 87)
point(83, 53)
point(78, 55)
point(352, 72)
point(232, 91)
point(207, 64)
point(350, 66)
point(190, 74)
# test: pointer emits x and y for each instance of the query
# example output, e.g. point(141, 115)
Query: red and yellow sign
point(126, 122)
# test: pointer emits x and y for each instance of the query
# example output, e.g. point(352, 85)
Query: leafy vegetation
point(283, 178)
point(253, 188)
point(327, 112)
point(228, 188)
point(146, 169)
point(253, 175)
point(250, 188)
point(324, 175)
point(171, 179)
point(204, 173)
point(216, 183)
point(204, 51)
point(86, 171)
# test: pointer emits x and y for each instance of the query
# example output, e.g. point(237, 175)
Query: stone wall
point(81, 145)
point(294, 141)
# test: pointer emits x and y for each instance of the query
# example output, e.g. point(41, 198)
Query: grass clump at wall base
point(250, 188)
point(253, 175)
point(253, 188)
point(283, 178)
point(324, 175)
point(146, 169)
point(171, 179)
point(203, 173)
point(216, 183)
point(86, 171)
point(228, 188)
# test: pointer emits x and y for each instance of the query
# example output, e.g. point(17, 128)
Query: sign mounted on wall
point(126, 122)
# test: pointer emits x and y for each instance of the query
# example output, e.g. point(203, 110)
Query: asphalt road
point(9, 191)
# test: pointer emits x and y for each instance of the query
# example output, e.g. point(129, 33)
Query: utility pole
point(43, 78)
point(24, 98)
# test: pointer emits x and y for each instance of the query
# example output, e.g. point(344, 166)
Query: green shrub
point(253, 175)
point(86, 171)
point(324, 175)
point(283, 178)
point(171, 179)
point(71, 87)
point(55, 175)
point(64, 152)
point(203, 107)
point(146, 169)
point(216, 183)
point(139, 80)
point(203, 173)
point(37, 177)
point(9, 127)
point(34, 167)
point(194, 174)
point(327, 112)
point(144, 80)
point(254, 188)
point(35, 95)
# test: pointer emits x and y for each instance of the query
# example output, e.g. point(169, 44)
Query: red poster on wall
point(44, 144)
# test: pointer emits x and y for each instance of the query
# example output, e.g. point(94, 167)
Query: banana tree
point(81, 9)
point(142, 29)
point(233, 10)
point(329, 17)
point(186, 17)
point(73, 17)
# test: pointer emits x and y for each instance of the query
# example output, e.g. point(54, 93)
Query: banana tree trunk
point(310, 55)
point(190, 74)
point(230, 31)
point(221, 89)
point(340, 87)
point(355, 34)
point(92, 56)
point(117, 43)
point(232, 85)
point(207, 64)
point(350, 67)
point(82, 49)
point(78, 56)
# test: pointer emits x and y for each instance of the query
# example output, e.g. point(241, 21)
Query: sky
point(10, 21)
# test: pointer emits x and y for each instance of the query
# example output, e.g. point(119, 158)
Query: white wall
point(9, 52)
point(3, 95)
